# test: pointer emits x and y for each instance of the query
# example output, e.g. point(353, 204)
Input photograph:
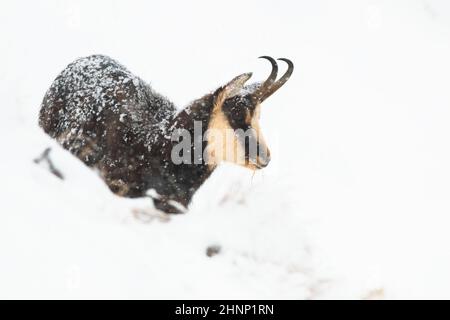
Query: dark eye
point(237, 112)
point(238, 116)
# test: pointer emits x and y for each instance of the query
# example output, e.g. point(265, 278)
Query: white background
point(355, 203)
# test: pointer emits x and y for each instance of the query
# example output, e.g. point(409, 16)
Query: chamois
point(117, 124)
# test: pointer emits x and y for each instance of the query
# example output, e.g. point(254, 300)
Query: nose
point(264, 159)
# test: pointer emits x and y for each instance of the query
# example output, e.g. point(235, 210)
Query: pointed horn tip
point(274, 64)
point(266, 57)
point(289, 62)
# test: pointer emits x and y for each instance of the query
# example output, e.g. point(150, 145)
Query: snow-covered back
point(96, 89)
point(353, 205)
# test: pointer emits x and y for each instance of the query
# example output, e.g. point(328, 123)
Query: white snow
point(355, 203)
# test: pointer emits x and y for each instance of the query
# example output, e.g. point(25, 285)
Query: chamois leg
point(164, 205)
point(147, 215)
point(45, 157)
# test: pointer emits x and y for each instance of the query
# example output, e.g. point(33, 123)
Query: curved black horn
point(265, 86)
point(277, 85)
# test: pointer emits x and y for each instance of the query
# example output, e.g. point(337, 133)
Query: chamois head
point(234, 133)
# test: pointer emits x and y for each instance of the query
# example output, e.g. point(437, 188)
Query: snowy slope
point(353, 205)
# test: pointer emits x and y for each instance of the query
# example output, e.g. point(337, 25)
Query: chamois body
point(117, 124)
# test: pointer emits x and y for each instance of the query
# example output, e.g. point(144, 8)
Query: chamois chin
point(117, 124)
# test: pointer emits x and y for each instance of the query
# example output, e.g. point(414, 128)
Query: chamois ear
point(235, 85)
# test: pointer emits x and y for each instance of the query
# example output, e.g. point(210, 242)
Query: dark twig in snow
point(46, 158)
point(213, 250)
